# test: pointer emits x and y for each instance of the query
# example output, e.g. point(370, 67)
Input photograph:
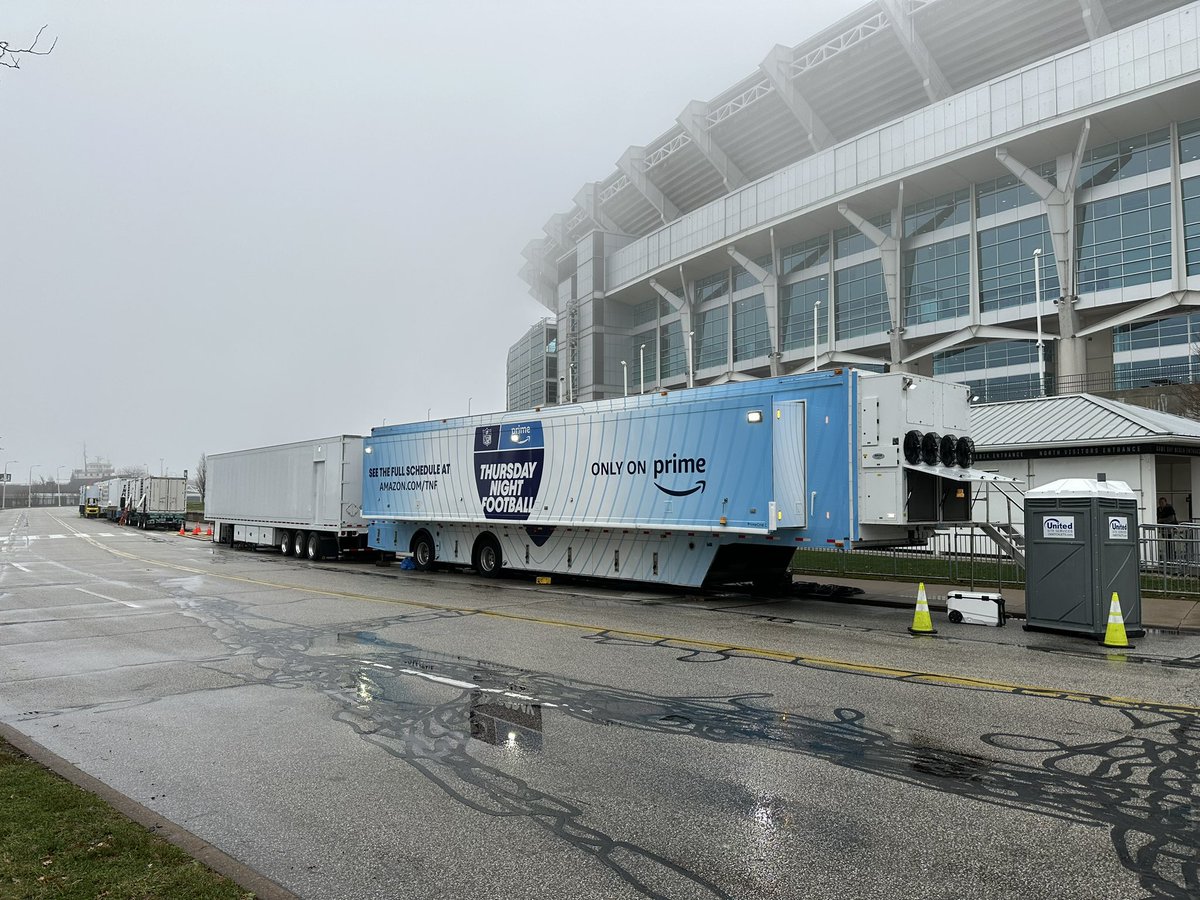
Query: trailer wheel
point(487, 559)
point(422, 551)
point(285, 542)
point(298, 544)
point(314, 546)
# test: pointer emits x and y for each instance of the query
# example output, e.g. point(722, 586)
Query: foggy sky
point(230, 224)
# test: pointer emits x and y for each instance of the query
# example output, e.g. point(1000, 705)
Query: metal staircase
point(1008, 537)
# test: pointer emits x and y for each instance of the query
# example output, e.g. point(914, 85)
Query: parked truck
point(153, 501)
point(304, 498)
point(112, 494)
point(694, 487)
point(89, 502)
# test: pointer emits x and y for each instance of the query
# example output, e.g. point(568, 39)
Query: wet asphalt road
point(351, 731)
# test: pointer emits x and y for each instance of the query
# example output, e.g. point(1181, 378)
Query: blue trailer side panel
point(708, 459)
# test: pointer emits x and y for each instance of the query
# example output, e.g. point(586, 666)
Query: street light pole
point(691, 379)
point(816, 310)
point(29, 496)
point(4, 484)
point(1037, 315)
point(625, 376)
point(58, 485)
point(642, 369)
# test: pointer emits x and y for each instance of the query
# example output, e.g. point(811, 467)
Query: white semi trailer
point(304, 498)
point(154, 501)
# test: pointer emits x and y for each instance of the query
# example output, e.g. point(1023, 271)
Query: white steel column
point(778, 69)
point(694, 121)
point(1059, 203)
point(889, 256)
point(935, 83)
point(588, 200)
point(1178, 238)
point(633, 164)
point(684, 307)
point(770, 285)
point(1095, 19)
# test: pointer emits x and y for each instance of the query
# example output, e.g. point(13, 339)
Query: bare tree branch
point(200, 478)
point(10, 56)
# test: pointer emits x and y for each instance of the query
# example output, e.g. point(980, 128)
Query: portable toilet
point(1081, 546)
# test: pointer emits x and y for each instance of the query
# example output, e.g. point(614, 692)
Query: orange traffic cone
point(209, 532)
point(921, 621)
point(1114, 635)
point(181, 531)
point(196, 530)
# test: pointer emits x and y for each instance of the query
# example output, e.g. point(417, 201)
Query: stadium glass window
point(937, 281)
point(712, 286)
point(751, 337)
point(985, 356)
point(645, 312)
point(712, 338)
point(1125, 240)
point(672, 358)
point(848, 241)
point(805, 255)
point(1189, 141)
point(743, 279)
point(940, 212)
point(1009, 192)
point(1006, 276)
point(986, 369)
point(1130, 156)
point(1172, 332)
point(862, 305)
point(796, 303)
point(1191, 224)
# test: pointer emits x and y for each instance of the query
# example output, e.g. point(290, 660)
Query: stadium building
point(892, 193)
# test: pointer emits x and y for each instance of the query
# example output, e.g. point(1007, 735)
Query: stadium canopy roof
point(885, 60)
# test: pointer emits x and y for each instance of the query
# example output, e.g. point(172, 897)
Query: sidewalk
point(1157, 612)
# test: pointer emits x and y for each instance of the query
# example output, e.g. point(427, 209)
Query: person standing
point(1166, 513)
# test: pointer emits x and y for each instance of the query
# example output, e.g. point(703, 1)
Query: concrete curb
point(194, 846)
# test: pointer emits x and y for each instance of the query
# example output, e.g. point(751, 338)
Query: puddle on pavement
point(492, 705)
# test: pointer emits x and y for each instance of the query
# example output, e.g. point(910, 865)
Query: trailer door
point(787, 463)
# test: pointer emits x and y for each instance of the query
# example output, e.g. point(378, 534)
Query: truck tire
point(315, 547)
point(487, 558)
point(298, 544)
point(422, 551)
point(285, 542)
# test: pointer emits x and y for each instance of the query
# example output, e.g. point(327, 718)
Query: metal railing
point(1168, 559)
point(956, 554)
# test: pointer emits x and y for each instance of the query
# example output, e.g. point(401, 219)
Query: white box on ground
point(975, 608)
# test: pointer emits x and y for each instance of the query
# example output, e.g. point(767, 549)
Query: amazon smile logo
point(680, 465)
point(698, 486)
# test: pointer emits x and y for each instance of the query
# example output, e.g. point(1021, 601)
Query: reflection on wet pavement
point(435, 711)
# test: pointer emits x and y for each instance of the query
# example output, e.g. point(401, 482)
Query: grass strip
point(57, 840)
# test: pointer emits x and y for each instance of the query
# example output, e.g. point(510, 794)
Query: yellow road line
point(826, 663)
